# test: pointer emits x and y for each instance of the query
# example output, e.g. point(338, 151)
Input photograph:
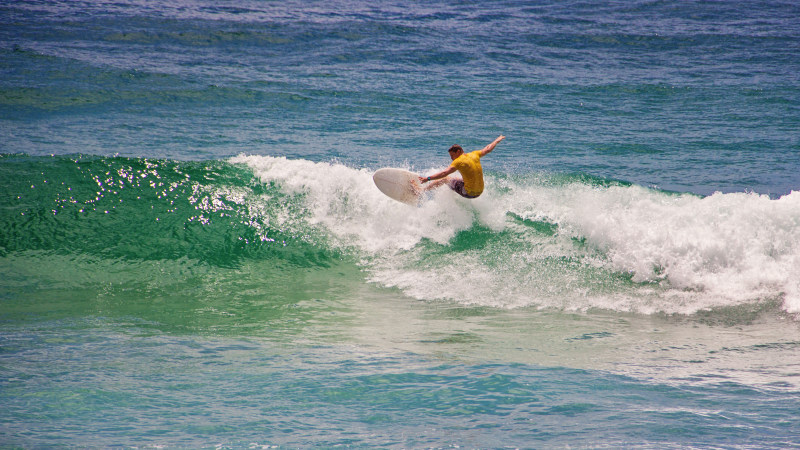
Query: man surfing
point(470, 184)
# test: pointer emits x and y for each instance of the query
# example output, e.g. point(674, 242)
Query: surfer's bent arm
point(438, 175)
point(491, 146)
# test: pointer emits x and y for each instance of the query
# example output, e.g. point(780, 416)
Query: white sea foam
point(735, 247)
point(620, 247)
point(346, 202)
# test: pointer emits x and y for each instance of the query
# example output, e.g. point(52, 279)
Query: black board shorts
point(457, 185)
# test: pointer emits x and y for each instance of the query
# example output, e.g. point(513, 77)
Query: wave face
point(568, 242)
point(141, 209)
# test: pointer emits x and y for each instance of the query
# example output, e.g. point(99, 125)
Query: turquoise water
point(193, 253)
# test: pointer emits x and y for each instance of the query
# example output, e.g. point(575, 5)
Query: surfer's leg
point(457, 186)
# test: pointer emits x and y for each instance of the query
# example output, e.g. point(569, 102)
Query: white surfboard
point(398, 184)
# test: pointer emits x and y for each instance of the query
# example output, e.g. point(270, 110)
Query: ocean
point(193, 253)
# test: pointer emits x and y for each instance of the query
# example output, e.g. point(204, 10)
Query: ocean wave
point(572, 242)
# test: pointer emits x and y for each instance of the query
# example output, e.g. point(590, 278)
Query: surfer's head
point(455, 151)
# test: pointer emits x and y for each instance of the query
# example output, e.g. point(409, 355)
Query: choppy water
point(193, 254)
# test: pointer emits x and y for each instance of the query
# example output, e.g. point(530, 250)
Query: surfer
point(470, 184)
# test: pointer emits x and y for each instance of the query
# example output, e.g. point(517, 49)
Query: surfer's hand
point(424, 180)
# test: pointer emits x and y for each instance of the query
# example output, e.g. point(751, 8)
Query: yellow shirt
point(469, 166)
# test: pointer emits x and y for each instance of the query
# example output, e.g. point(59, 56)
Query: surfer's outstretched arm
point(491, 146)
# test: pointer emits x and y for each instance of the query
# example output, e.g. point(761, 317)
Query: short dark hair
point(456, 148)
